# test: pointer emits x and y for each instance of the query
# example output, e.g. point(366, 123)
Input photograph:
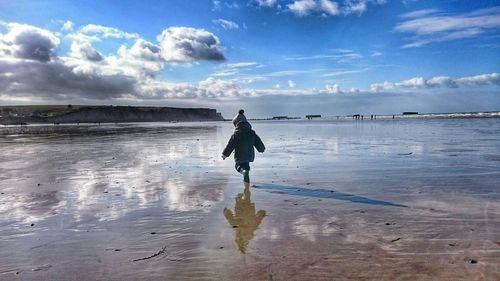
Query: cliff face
point(103, 114)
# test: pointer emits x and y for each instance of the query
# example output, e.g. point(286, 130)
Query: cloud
point(186, 44)
point(84, 50)
point(376, 54)
point(232, 69)
point(67, 26)
point(291, 84)
point(30, 67)
point(107, 32)
point(55, 80)
point(226, 24)
point(335, 89)
point(339, 55)
point(242, 64)
point(28, 42)
point(342, 72)
point(330, 8)
point(143, 50)
point(266, 3)
point(302, 7)
point(438, 82)
point(216, 5)
point(428, 26)
point(419, 13)
point(479, 80)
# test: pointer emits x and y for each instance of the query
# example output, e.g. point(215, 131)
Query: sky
point(269, 57)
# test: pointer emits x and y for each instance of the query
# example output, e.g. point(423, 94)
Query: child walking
point(243, 141)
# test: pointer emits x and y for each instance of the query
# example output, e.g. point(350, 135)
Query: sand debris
point(154, 255)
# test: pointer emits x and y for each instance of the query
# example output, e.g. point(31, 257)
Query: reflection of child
point(243, 141)
point(244, 219)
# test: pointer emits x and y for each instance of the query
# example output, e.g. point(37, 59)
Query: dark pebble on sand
point(153, 232)
point(38, 184)
point(396, 239)
point(387, 223)
point(32, 224)
point(471, 261)
point(221, 247)
point(452, 244)
point(117, 250)
point(235, 226)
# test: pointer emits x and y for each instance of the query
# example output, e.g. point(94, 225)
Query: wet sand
point(328, 200)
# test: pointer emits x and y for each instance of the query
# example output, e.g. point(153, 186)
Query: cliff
point(11, 115)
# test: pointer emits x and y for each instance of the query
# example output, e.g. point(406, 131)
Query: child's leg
point(243, 168)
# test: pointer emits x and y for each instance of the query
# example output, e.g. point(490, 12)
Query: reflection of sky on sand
point(108, 177)
point(104, 192)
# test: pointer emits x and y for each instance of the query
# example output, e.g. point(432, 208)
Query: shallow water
point(398, 199)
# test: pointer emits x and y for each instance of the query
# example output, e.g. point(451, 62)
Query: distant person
point(239, 118)
point(243, 141)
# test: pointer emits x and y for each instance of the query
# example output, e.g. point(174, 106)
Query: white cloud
point(302, 7)
point(107, 32)
point(342, 72)
point(291, 84)
point(419, 13)
point(216, 5)
point(354, 6)
point(339, 55)
point(232, 69)
point(439, 81)
point(479, 80)
point(226, 24)
point(333, 89)
point(266, 3)
point(242, 64)
point(376, 54)
point(84, 50)
point(331, 8)
point(186, 44)
point(67, 26)
point(427, 26)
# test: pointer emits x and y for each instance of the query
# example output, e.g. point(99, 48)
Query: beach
point(403, 199)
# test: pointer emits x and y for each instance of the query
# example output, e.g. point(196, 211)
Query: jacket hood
point(239, 118)
point(243, 126)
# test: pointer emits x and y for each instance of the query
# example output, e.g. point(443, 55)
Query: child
point(242, 142)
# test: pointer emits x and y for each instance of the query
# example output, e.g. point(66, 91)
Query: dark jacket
point(242, 142)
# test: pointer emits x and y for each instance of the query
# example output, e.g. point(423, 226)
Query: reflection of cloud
point(309, 227)
point(108, 176)
point(31, 207)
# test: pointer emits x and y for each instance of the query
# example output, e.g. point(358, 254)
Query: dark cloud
point(186, 44)
point(28, 42)
point(54, 79)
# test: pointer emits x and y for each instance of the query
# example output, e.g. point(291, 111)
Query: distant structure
point(309, 117)
point(356, 116)
point(410, 113)
point(280, 118)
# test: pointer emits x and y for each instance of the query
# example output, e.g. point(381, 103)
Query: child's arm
point(259, 145)
point(229, 148)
